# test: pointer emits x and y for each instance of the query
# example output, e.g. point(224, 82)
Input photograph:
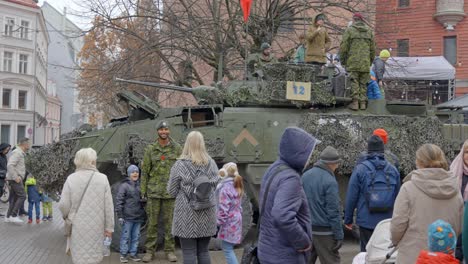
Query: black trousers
point(364, 237)
point(323, 250)
point(195, 250)
point(2, 184)
point(18, 196)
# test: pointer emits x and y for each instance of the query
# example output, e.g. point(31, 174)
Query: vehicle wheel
point(6, 194)
point(118, 229)
point(247, 219)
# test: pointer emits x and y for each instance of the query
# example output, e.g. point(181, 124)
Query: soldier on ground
point(318, 41)
point(357, 51)
point(157, 162)
point(257, 61)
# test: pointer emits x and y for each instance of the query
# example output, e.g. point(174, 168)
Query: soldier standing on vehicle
point(318, 41)
point(357, 51)
point(157, 163)
point(257, 61)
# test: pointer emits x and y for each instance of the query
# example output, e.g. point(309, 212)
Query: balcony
point(449, 13)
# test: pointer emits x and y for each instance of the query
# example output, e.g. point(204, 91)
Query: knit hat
point(264, 46)
point(441, 237)
point(131, 169)
point(320, 17)
point(382, 134)
point(231, 169)
point(329, 155)
point(384, 54)
point(375, 144)
point(162, 124)
point(358, 16)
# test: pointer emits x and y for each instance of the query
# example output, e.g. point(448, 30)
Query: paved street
point(45, 243)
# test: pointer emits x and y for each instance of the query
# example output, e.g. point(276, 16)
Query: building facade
point(54, 111)
point(23, 71)
point(66, 41)
point(426, 28)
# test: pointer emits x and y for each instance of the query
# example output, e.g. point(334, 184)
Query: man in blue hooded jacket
point(362, 190)
point(285, 226)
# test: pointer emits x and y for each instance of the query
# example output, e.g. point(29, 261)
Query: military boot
point(171, 257)
point(354, 105)
point(362, 105)
point(147, 257)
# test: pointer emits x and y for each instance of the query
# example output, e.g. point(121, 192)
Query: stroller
point(379, 249)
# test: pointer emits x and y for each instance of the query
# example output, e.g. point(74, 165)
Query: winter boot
point(147, 257)
point(354, 105)
point(362, 105)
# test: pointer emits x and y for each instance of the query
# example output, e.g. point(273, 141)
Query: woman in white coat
point(94, 219)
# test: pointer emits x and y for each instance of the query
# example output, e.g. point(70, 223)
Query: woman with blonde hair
point(192, 182)
point(87, 208)
point(431, 193)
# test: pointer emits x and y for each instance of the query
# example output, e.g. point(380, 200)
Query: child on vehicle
point(229, 211)
point(131, 214)
point(34, 199)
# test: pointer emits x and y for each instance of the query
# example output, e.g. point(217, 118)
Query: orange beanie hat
point(382, 134)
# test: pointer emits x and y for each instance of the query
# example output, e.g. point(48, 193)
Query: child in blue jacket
point(34, 199)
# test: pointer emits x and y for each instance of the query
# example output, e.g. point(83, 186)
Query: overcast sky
point(72, 8)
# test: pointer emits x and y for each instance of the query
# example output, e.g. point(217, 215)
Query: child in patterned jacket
point(229, 211)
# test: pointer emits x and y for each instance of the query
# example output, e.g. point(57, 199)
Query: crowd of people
point(301, 216)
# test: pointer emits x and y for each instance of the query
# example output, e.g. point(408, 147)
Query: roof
point(419, 68)
point(29, 3)
point(459, 102)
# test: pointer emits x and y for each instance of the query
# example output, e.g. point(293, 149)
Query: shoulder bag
point(250, 251)
point(68, 221)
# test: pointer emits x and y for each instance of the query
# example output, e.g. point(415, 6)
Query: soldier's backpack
point(203, 194)
point(381, 188)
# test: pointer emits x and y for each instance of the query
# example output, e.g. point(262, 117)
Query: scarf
point(459, 168)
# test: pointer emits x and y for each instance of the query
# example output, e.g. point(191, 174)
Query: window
point(402, 47)
point(403, 3)
point(20, 132)
point(22, 99)
point(24, 29)
point(5, 133)
point(450, 49)
point(9, 24)
point(7, 61)
point(23, 63)
point(6, 100)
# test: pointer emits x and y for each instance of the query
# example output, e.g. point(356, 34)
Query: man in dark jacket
point(131, 214)
point(321, 189)
point(362, 191)
point(285, 226)
point(4, 149)
point(357, 51)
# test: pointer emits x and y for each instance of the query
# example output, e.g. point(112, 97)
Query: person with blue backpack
point(372, 190)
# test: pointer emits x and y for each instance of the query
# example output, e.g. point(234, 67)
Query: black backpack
point(203, 194)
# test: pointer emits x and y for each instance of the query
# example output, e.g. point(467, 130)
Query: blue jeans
point(130, 233)
point(38, 209)
point(228, 250)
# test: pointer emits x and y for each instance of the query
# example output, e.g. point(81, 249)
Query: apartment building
point(23, 71)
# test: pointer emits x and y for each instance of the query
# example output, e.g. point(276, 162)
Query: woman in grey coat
point(193, 227)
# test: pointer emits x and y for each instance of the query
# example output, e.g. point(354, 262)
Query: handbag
point(68, 221)
point(250, 255)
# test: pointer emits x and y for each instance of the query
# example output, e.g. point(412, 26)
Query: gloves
point(338, 244)
point(121, 221)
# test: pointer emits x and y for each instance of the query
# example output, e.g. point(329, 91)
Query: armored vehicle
point(244, 120)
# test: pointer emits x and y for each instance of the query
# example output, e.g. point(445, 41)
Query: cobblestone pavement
point(45, 244)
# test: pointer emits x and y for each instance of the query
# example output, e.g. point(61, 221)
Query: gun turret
point(203, 94)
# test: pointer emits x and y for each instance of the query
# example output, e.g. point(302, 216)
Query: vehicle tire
point(115, 245)
point(247, 220)
point(6, 194)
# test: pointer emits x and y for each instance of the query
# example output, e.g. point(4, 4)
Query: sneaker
point(38, 221)
point(49, 218)
point(123, 259)
point(16, 219)
point(135, 258)
point(29, 221)
point(147, 257)
point(171, 257)
point(7, 219)
point(44, 219)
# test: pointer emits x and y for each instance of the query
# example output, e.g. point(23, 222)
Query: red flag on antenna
point(245, 5)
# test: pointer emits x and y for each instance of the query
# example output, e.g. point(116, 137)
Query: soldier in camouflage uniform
point(157, 163)
point(257, 61)
point(357, 51)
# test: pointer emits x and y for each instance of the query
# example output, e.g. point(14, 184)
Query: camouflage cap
point(162, 124)
point(264, 46)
